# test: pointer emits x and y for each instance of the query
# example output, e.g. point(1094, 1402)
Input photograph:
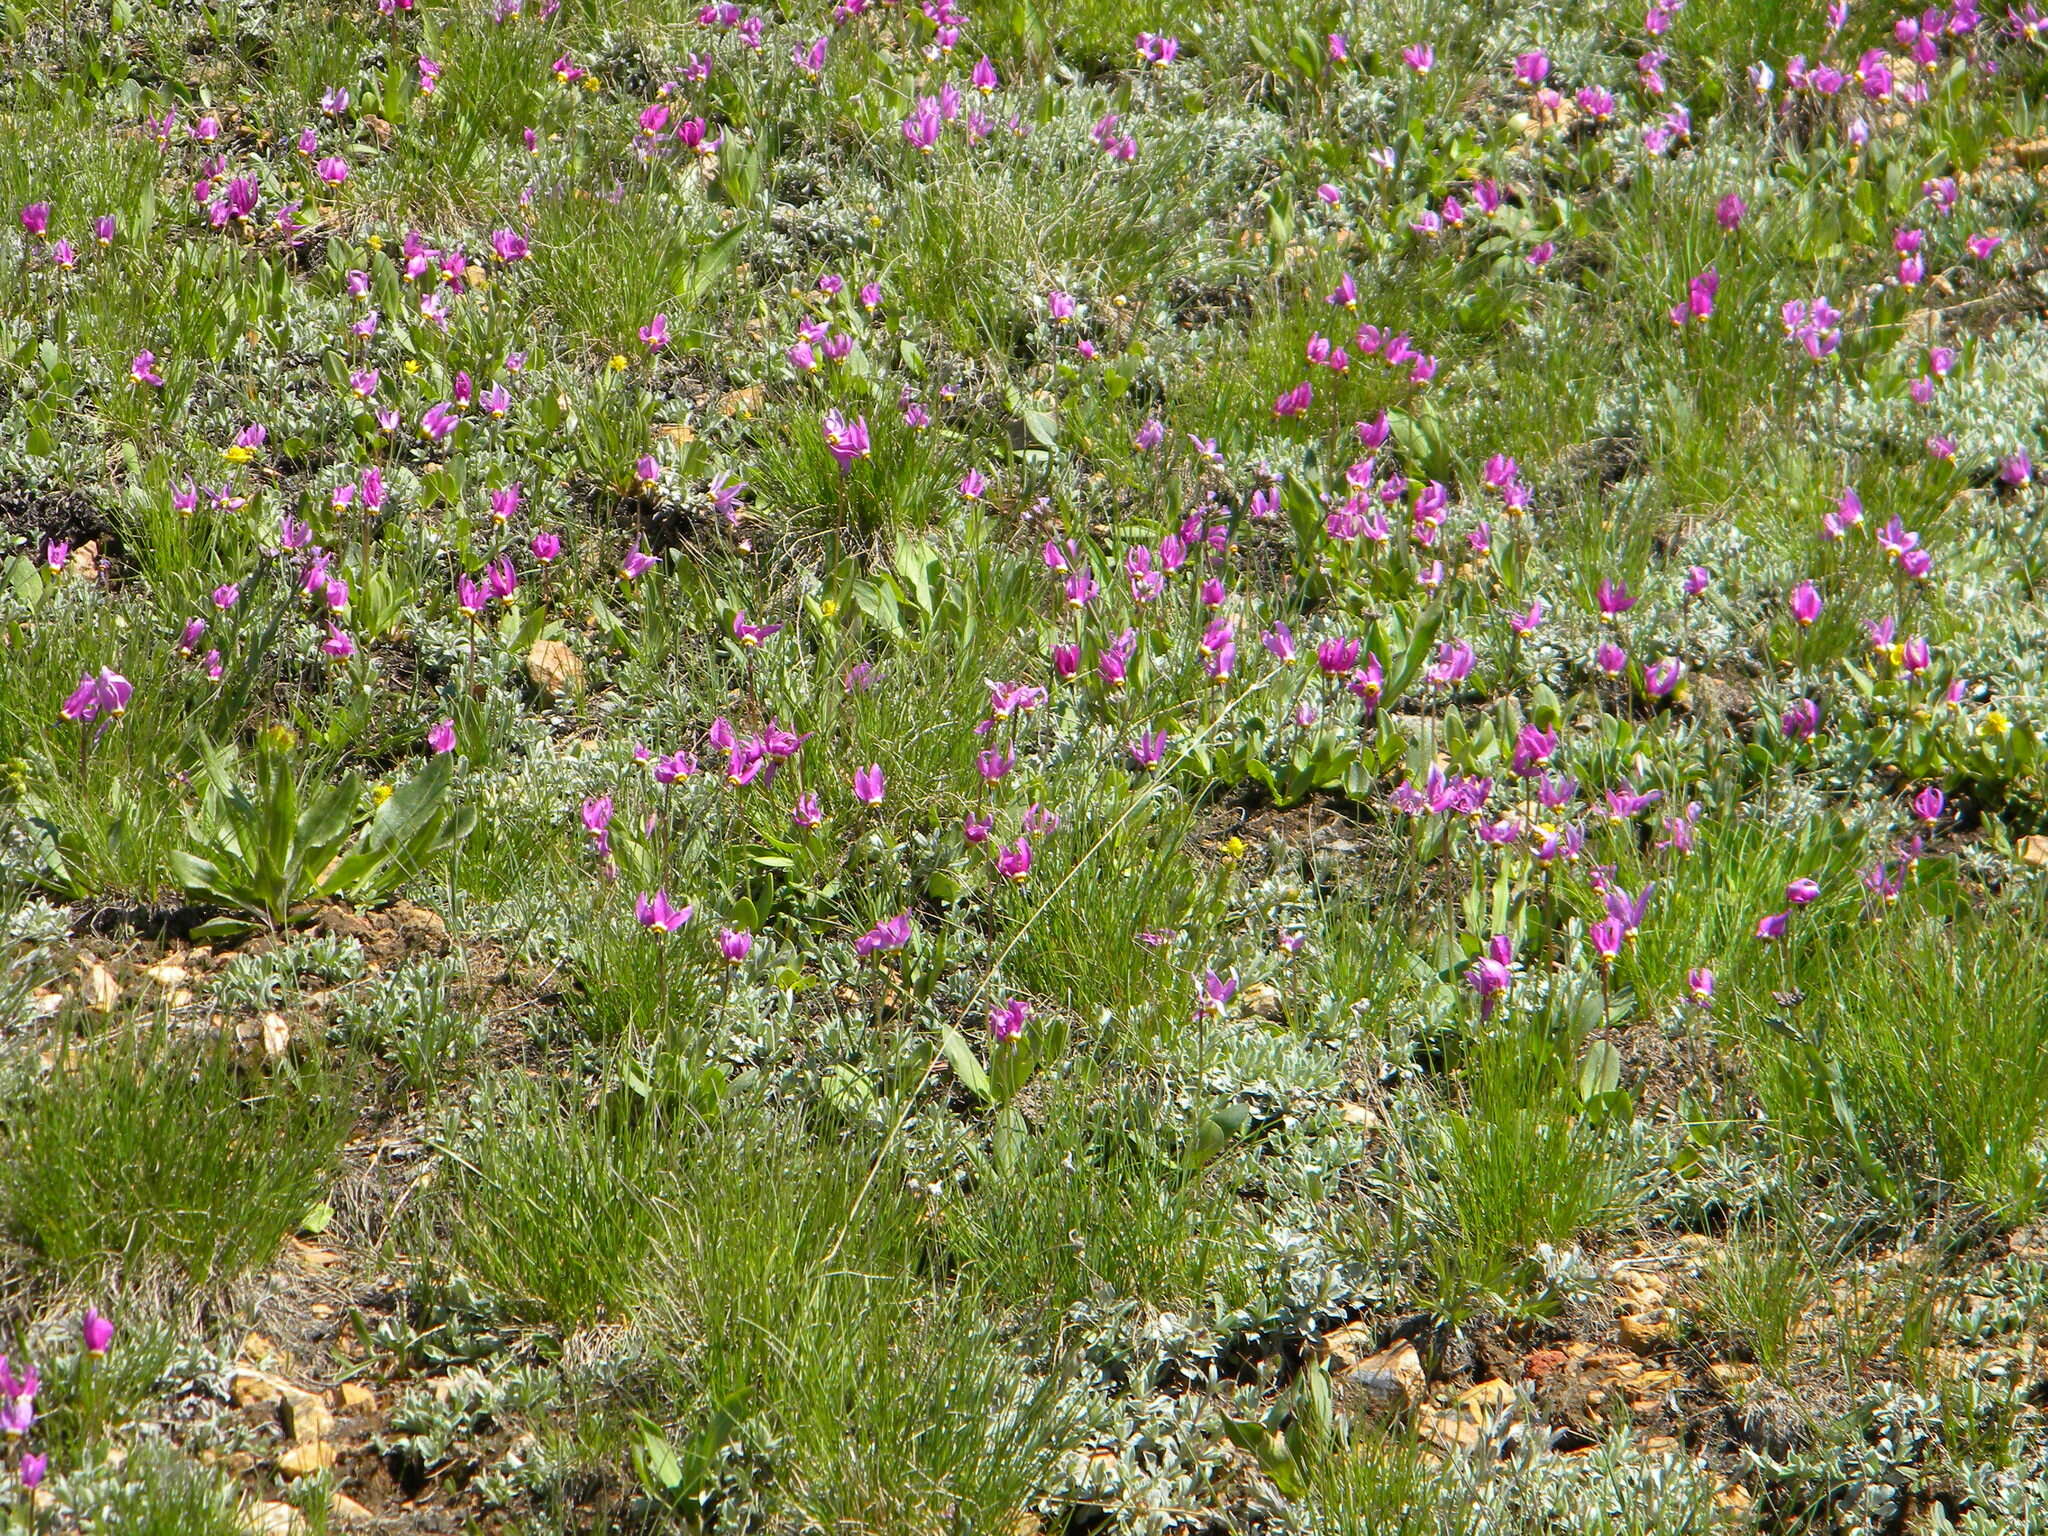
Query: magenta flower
point(1610, 658)
point(33, 1466)
point(1453, 663)
point(1007, 1019)
point(892, 933)
point(1213, 999)
point(1773, 926)
point(1929, 804)
point(658, 912)
point(439, 423)
point(921, 129)
point(1614, 598)
point(637, 563)
point(142, 370)
point(1699, 298)
point(973, 485)
point(338, 643)
point(1805, 603)
point(96, 1331)
point(1534, 747)
point(546, 546)
point(735, 944)
point(1337, 656)
point(1607, 936)
point(35, 218)
point(332, 169)
point(55, 554)
point(1661, 677)
point(1420, 57)
point(1149, 749)
point(106, 694)
point(441, 736)
point(845, 440)
point(994, 765)
point(655, 333)
point(509, 245)
point(501, 580)
point(808, 811)
point(751, 635)
point(1014, 862)
point(1490, 975)
point(1801, 720)
point(1803, 892)
point(869, 784)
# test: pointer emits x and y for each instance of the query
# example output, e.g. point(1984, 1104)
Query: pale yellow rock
point(553, 668)
point(98, 990)
point(1450, 1431)
point(1391, 1381)
point(305, 1460)
point(342, 1508)
point(306, 1418)
point(271, 1518)
point(354, 1397)
point(1486, 1399)
point(247, 1387)
point(1647, 1331)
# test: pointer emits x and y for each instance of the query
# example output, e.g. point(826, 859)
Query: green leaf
point(1600, 1072)
point(1012, 1135)
point(655, 1460)
point(965, 1064)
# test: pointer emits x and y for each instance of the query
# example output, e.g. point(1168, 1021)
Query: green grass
point(148, 1151)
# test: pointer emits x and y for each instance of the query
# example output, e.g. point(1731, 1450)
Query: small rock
point(99, 991)
point(271, 1518)
point(1486, 1399)
point(305, 1460)
point(247, 1387)
point(2034, 850)
point(1450, 1432)
point(553, 668)
point(1647, 1332)
point(346, 1510)
point(1389, 1382)
point(1261, 1000)
point(306, 1418)
point(354, 1397)
point(1541, 1362)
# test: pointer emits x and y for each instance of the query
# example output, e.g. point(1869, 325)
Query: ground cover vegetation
point(1023, 766)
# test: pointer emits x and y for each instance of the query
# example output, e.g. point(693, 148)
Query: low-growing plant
point(268, 850)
